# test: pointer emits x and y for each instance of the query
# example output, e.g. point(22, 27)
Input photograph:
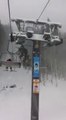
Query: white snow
point(15, 103)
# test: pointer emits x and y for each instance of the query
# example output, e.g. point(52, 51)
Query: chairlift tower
point(37, 32)
point(35, 80)
point(46, 32)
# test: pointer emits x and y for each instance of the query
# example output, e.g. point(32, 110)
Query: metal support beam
point(35, 80)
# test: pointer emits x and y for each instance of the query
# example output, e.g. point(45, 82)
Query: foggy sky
point(31, 9)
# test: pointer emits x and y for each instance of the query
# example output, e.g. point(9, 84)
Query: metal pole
point(35, 80)
point(9, 15)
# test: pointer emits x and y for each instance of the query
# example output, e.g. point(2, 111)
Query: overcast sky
point(31, 9)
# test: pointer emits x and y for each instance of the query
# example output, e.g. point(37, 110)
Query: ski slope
point(15, 102)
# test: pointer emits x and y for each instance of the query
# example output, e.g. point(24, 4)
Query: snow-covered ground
point(15, 103)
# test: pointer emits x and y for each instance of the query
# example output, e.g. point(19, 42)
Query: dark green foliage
point(24, 56)
point(4, 37)
point(12, 38)
point(54, 58)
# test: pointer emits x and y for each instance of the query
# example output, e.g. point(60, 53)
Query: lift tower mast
point(35, 80)
point(37, 32)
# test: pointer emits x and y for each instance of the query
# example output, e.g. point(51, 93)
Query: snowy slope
point(15, 103)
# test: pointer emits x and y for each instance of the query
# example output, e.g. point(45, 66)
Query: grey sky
point(31, 9)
